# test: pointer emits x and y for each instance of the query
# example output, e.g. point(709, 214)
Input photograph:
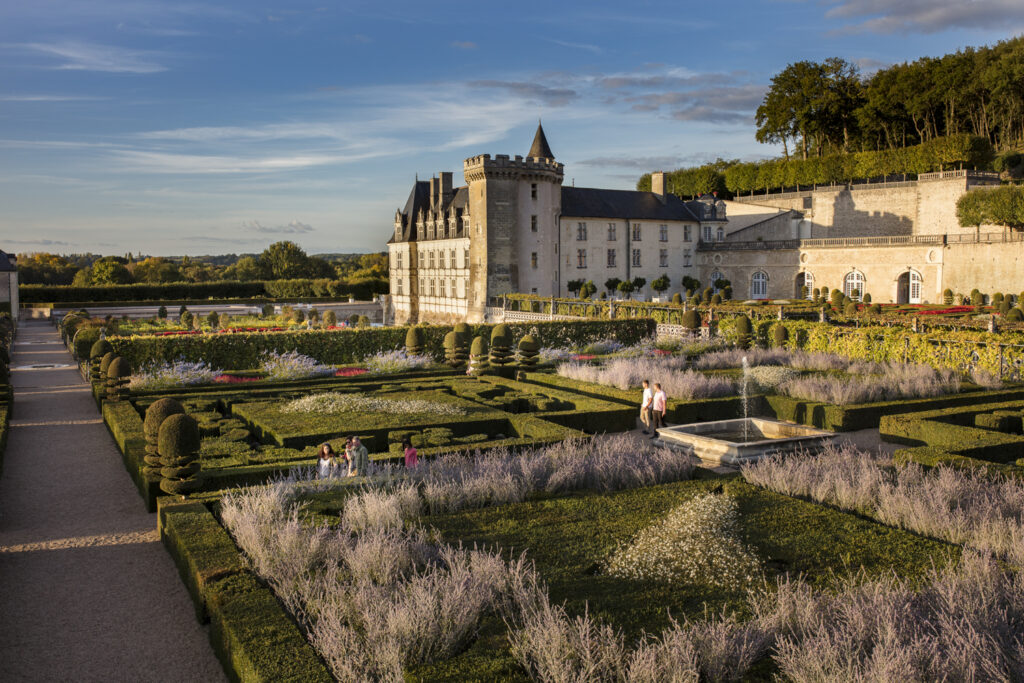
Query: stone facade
point(514, 227)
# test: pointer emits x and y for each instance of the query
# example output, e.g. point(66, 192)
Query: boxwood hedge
point(952, 430)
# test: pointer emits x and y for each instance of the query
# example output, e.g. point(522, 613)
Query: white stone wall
point(536, 250)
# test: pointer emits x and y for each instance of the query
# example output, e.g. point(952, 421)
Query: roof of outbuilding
point(587, 202)
point(6, 265)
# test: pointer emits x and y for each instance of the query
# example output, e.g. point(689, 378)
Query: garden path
point(87, 591)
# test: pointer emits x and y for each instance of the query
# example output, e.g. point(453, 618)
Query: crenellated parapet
point(505, 167)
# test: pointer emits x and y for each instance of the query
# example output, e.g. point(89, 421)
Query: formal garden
point(540, 537)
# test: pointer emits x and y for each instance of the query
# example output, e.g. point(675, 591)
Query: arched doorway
point(853, 285)
point(715, 277)
point(804, 279)
point(759, 285)
point(908, 287)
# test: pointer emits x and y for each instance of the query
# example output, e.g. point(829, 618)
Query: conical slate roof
point(540, 149)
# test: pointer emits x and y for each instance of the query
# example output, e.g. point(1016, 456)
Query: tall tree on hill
point(284, 260)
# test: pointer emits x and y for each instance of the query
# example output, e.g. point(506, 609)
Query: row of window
point(440, 229)
point(637, 260)
point(637, 232)
point(436, 287)
point(431, 259)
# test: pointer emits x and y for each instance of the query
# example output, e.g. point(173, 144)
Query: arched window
point(759, 285)
point(915, 287)
point(715, 277)
point(720, 235)
point(805, 279)
point(853, 285)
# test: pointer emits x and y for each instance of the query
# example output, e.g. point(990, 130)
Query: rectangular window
point(398, 260)
point(431, 286)
point(581, 258)
point(451, 258)
point(398, 286)
point(581, 232)
point(611, 258)
point(430, 258)
point(533, 224)
point(423, 286)
point(636, 258)
point(663, 233)
point(707, 233)
point(533, 190)
point(636, 232)
point(611, 232)
point(465, 258)
point(451, 289)
point(533, 290)
point(533, 259)
point(663, 258)
point(686, 258)
point(686, 234)
point(422, 256)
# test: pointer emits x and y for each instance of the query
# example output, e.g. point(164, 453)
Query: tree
point(156, 269)
point(284, 260)
point(999, 206)
point(245, 269)
point(612, 284)
point(661, 284)
point(45, 269)
point(588, 289)
point(690, 284)
point(574, 286)
point(110, 271)
point(626, 287)
point(638, 284)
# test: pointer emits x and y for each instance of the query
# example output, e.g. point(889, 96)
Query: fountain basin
point(732, 442)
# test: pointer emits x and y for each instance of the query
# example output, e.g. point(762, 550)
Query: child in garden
point(358, 458)
point(411, 459)
point(327, 464)
point(658, 407)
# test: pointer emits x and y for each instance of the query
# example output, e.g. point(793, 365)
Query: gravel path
point(87, 591)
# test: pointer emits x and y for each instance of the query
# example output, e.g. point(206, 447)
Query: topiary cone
point(414, 341)
point(529, 349)
point(101, 348)
point(178, 443)
point(501, 345)
point(157, 412)
point(744, 331)
point(105, 363)
point(478, 355)
point(451, 350)
point(780, 335)
point(118, 372)
point(691, 319)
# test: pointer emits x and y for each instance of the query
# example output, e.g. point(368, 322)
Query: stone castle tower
point(514, 204)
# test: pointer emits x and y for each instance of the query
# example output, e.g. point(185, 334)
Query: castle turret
point(540, 148)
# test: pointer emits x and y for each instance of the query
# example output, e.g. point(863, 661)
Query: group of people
point(652, 408)
point(354, 461)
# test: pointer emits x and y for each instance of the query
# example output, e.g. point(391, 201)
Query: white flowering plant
point(391, 362)
point(293, 365)
point(180, 373)
point(336, 402)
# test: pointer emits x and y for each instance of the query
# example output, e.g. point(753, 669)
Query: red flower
point(350, 372)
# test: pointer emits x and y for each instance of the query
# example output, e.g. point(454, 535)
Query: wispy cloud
point(77, 56)
point(464, 44)
point(40, 243)
point(577, 46)
point(292, 228)
point(926, 16)
point(645, 163)
point(542, 94)
point(48, 98)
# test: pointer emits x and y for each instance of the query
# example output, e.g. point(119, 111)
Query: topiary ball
point(118, 368)
point(414, 341)
point(179, 487)
point(450, 342)
point(500, 335)
point(156, 413)
point(105, 362)
point(178, 440)
point(101, 348)
point(479, 347)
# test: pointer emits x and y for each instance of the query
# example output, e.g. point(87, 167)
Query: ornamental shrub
point(451, 350)
point(463, 336)
point(105, 364)
point(997, 298)
point(780, 335)
point(727, 292)
point(158, 411)
point(501, 345)
point(837, 298)
point(716, 299)
point(314, 316)
point(706, 296)
point(162, 312)
point(118, 374)
point(744, 331)
point(268, 310)
point(1015, 315)
point(866, 299)
point(211, 319)
point(850, 308)
point(186, 320)
point(1004, 307)
point(816, 293)
point(529, 349)
point(298, 316)
point(330, 319)
point(101, 348)
point(875, 309)
point(947, 296)
point(178, 444)
point(691, 319)
point(414, 341)
point(223, 321)
point(478, 355)
point(977, 298)
point(677, 299)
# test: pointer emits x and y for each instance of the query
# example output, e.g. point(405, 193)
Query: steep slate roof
point(587, 202)
point(419, 198)
point(540, 148)
point(5, 262)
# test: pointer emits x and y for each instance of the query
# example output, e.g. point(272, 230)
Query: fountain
point(747, 439)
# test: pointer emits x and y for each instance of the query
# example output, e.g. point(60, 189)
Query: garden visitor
point(658, 408)
point(358, 459)
point(411, 459)
point(327, 465)
point(645, 407)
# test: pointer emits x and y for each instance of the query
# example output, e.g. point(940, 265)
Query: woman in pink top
point(658, 407)
point(411, 459)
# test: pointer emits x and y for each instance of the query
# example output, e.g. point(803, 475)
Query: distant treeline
point(176, 291)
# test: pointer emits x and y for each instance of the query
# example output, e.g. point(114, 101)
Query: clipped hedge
point(932, 456)
point(953, 430)
point(242, 351)
point(252, 635)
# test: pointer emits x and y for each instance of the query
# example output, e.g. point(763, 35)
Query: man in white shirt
point(658, 408)
point(645, 407)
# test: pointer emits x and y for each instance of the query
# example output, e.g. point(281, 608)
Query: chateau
point(514, 227)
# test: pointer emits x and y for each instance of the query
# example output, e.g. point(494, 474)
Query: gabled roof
point(540, 148)
point(587, 202)
point(6, 265)
point(419, 200)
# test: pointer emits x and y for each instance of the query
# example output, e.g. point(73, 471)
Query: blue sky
point(193, 127)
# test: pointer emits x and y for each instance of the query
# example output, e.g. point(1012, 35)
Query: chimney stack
point(433, 191)
point(658, 184)
point(445, 180)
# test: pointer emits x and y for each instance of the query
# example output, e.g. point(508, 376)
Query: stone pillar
point(781, 317)
point(552, 315)
point(611, 309)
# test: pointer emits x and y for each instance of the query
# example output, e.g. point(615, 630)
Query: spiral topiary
point(691, 319)
point(501, 345)
point(451, 350)
point(744, 331)
point(158, 411)
point(463, 335)
point(529, 349)
point(101, 348)
point(780, 335)
point(118, 373)
point(178, 444)
point(478, 355)
point(414, 341)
